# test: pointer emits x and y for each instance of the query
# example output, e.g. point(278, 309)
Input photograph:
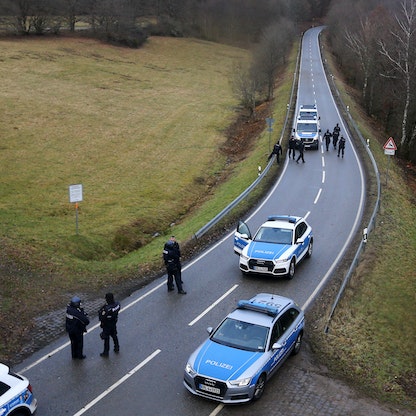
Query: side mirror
point(294, 130)
point(276, 346)
point(244, 236)
point(209, 329)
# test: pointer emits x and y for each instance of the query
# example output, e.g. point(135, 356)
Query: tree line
point(375, 44)
point(373, 41)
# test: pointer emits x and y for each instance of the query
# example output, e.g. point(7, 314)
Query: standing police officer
point(335, 135)
point(108, 316)
point(172, 259)
point(327, 138)
point(292, 146)
point(76, 324)
point(301, 148)
point(341, 146)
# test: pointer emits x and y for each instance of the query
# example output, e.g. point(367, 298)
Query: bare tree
point(401, 55)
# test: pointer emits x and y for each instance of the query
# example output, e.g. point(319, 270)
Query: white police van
point(307, 126)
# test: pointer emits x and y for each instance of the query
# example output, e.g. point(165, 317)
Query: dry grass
point(132, 126)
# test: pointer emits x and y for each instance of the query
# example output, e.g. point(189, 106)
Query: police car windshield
point(241, 335)
point(308, 127)
point(274, 235)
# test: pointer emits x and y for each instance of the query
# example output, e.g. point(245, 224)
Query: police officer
point(76, 324)
point(292, 146)
point(335, 135)
point(108, 316)
point(327, 138)
point(301, 147)
point(277, 150)
point(172, 259)
point(341, 146)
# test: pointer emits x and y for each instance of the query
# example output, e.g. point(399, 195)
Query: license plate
point(210, 389)
point(261, 268)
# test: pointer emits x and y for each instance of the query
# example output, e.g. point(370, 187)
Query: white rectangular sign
point(75, 193)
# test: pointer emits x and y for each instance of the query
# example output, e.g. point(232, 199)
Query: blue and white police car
point(245, 350)
point(16, 397)
point(277, 247)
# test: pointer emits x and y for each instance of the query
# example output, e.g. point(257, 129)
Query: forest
point(374, 41)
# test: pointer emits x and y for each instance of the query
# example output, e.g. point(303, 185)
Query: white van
point(307, 127)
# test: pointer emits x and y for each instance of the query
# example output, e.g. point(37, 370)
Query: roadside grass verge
point(371, 339)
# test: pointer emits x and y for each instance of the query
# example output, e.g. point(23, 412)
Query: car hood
point(222, 362)
point(267, 251)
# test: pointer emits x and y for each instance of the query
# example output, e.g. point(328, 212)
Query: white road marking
point(317, 196)
point(213, 305)
point(116, 384)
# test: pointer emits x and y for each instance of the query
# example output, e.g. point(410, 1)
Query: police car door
point(301, 240)
point(241, 237)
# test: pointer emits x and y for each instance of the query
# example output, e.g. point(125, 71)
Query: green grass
point(139, 129)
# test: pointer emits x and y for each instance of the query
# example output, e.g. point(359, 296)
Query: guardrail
point(247, 191)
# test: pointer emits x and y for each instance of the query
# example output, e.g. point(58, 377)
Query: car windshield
point(274, 235)
point(242, 335)
point(308, 127)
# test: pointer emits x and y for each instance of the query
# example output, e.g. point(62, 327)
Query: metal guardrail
point(247, 191)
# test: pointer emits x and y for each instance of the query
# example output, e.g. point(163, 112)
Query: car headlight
point(241, 383)
point(244, 257)
point(190, 370)
point(279, 261)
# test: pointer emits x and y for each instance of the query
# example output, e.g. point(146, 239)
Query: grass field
point(139, 129)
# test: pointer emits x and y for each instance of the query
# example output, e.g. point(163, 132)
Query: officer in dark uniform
point(292, 147)
point(341, 146)
point(277, 150)
point(108, 316)
point(327, 138)
point(301, 147)
point(172, 259)
point(76, 324)
point(335, 135)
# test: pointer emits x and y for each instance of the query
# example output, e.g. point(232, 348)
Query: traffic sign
point(390, 145)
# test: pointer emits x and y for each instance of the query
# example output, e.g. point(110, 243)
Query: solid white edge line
point(213, 305)
point(116, 384)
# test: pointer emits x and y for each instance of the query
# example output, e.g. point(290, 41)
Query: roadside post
point(75, 196)
point(389, 150)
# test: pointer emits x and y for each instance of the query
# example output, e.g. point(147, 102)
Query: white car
point(16, 397)
point(276, 248)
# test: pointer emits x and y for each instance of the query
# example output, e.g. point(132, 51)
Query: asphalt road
point(158, 330)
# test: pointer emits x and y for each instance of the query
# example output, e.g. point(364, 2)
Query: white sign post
point(75, 196)
point(389, 150)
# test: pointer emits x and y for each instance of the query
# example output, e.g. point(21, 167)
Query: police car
point(277, 247)
point(16, 397)
point(245, 350)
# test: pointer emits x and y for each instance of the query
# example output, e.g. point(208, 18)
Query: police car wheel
point(310, 249)
point(259, 388)
point(291, 271)
point(298, 344)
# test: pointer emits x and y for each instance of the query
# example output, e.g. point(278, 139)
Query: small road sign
point(390, 147)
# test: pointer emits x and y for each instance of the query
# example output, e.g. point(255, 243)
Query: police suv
point(245, 350)
point(307, 127)
point(276, 248)
point(16, 397)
